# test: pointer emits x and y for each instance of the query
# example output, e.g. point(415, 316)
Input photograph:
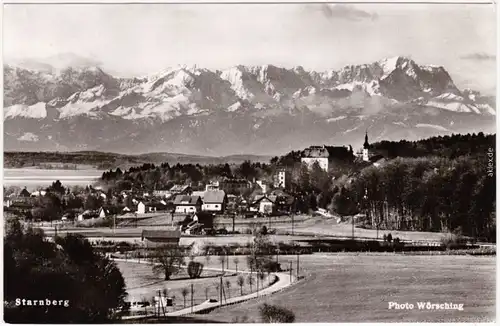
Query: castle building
point(326, 156)
point(316, 154)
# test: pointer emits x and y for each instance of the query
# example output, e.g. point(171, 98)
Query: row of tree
point(67, 269)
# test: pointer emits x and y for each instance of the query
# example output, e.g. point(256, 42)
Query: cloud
point(346, 12)
point(479, 56)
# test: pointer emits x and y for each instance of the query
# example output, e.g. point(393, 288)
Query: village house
point(282, 178)
point(187, 204)
point(160, 238)
point(201, 194)
point(213, 185)
point(181, 190)
point(141, 208)
point(263, 186)
point(214, 201)
point(264, 204)
point(231, 186)
point(162, 193)
point(103, 212)
point(201, 222)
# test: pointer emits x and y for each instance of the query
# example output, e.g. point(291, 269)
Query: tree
point(217, 289)
point(228, 287)
point(275, 314)
point(92, 202)
point(236, 261)
point(240, 281)
point(68, 268)
point(250, 281)
point(260, 250)
point(57, 188)
point(261, 276)
point(169, 259)
point(222, 259)
point(184, 293)
point(194, 269)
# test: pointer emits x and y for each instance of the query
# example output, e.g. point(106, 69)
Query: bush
point(263, 230)
point(194, 269)
point(453, 241)
point(272, 267)
point(275, 314)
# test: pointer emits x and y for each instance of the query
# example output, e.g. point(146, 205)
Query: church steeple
point(366, 144)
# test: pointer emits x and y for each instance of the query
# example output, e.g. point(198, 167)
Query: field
point(329, 227)
point(358, 288)
point(142, 283)
point(304, 227)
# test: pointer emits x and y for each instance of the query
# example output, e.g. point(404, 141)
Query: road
point(284, 280)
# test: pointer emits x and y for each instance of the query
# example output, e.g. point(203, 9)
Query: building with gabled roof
point(160, 238)
point(214, 201)
point(187, 204)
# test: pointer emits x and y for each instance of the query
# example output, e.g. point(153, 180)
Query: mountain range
point(264, 110)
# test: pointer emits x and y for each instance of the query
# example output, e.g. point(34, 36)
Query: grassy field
point(142, 283)
point(358, 288)
point(329, 227)
point(318, 226)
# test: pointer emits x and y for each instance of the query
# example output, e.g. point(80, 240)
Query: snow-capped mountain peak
point(194, 101)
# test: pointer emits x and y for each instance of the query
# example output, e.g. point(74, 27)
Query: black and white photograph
point(249, 162)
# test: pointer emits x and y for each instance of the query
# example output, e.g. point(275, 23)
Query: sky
point(135, 40)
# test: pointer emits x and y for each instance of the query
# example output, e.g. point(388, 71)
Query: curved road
point(284, 280)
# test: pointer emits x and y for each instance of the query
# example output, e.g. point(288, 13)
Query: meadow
point(358, 288)
point(142, 283)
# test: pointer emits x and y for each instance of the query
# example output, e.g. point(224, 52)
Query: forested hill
point(102, 160)
point(442, 146)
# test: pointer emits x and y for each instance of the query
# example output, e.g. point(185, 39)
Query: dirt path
point(283, 281)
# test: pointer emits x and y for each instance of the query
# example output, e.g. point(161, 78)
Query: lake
point(33, 178)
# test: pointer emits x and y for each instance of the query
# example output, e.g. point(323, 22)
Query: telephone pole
point(192, 300)
point(298, 262)
point(220, 303)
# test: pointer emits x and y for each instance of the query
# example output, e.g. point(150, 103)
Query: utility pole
point(192, 300)
point(220, 302)
point(292, 221)
point(290, 271)
point(352, 218)
point(114, 223)
point(298, 262)
point(257, 284)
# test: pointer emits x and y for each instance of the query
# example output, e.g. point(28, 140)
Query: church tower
point(366, 147)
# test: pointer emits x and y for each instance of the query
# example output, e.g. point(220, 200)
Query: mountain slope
point(255, 109)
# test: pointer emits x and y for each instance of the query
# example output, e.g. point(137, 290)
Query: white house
point(141, 208)
point(187, 204)
point(262, 185)
point(103, 212)
point(214, 201)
